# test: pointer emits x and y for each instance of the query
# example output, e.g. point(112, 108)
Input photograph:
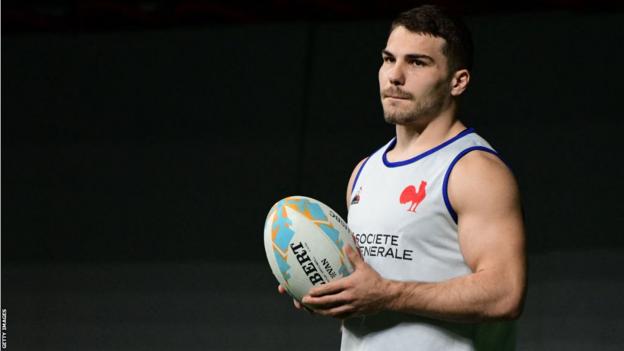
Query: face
point(413, 79)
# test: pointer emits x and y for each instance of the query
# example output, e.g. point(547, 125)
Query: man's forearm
point(481, 296)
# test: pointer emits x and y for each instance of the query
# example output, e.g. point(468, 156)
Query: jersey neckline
point(423, 154)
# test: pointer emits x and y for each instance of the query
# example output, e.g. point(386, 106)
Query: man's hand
point(362, 292)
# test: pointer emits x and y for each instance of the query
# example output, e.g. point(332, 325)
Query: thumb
point(354, 256)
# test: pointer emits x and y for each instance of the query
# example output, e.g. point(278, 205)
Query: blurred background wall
point(143, 146)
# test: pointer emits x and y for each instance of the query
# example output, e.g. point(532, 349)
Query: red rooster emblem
point(410, 194)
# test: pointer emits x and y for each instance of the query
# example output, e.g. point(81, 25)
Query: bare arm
point(491, 235)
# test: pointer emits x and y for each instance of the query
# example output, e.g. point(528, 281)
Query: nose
point(395, 75)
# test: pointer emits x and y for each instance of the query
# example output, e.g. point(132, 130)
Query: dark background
point(144, 142)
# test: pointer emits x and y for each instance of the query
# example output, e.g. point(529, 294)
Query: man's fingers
point(327, 301)
point(333, 287)
point(300, 306)
point(342, 311)
point(354, 256)
point(281, 289)
point(357, 244)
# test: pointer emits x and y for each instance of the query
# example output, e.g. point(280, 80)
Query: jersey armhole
point(464, 152)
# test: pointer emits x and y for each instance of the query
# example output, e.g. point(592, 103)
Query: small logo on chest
point(413, 197)
point(356, 198)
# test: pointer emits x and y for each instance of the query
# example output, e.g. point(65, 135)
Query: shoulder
point(481, 161)
point(481, 179)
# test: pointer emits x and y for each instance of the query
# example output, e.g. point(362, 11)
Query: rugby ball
point(304, 241)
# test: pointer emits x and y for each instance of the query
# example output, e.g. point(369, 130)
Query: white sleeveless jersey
point(406, 229)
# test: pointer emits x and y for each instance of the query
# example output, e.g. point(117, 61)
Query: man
point(435, 212)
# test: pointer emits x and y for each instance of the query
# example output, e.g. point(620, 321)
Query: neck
point(418, 137)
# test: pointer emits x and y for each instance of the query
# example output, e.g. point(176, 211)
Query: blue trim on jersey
point(358, 175)
point(424, 154)
point(447, 202)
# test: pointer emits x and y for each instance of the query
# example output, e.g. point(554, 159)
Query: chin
point(396, 119)
point(390, 120)
point(401, 117)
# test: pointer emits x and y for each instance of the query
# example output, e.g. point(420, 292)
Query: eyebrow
point(410, 56)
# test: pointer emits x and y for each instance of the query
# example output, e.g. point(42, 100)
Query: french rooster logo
point(410, 194)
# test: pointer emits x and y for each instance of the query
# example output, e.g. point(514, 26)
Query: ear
point(459, 82)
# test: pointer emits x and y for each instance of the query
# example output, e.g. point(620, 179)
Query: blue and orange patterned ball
point(304, 241)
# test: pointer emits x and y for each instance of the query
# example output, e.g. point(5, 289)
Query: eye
point(417, 63)
point(387, 59)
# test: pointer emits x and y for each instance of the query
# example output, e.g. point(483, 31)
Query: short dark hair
point(434, 21)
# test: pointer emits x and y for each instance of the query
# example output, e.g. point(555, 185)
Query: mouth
point(395, 97)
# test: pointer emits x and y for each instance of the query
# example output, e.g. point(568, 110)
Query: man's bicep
point(486, 199)
point(491, 230)
point(493, 240)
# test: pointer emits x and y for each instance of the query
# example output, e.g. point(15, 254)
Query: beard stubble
point(425, 107)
